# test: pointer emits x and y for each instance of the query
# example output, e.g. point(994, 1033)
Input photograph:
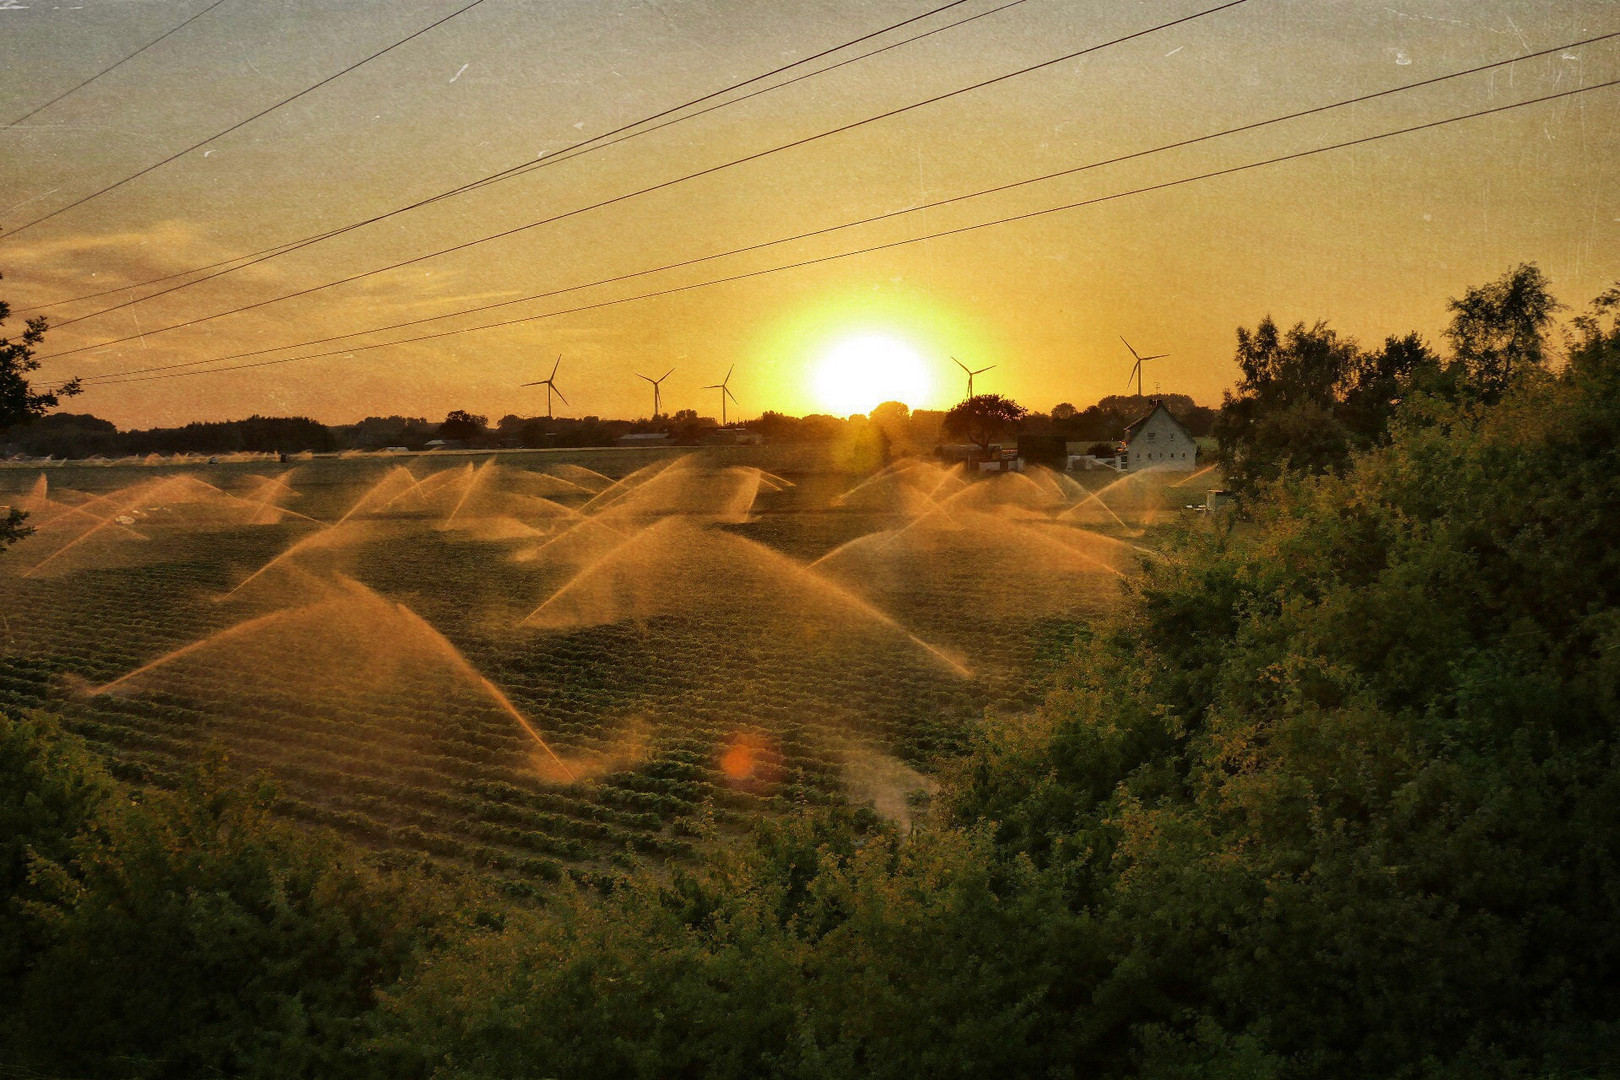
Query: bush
point(190, 933)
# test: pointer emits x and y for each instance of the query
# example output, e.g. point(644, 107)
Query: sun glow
point(859, 372)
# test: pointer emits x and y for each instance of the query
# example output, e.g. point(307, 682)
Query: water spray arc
point(424, 648)
point(1189, 479)
point(550, 383)
point(970, 374)
point(1136, 370)
point(725, 392)
point(658, 400)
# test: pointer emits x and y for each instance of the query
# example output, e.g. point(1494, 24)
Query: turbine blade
point(560, 394)
point(1128, 346)
point(639, 375)
point(556, 365)
point(666, 374)
point(982, 370)
point(961, 365)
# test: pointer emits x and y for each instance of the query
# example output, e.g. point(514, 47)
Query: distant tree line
point(65, 435)
point(1107, 420)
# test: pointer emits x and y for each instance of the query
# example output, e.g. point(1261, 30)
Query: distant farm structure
point(1159, 441)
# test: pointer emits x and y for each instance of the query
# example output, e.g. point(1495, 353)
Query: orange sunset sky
point(1373, 238)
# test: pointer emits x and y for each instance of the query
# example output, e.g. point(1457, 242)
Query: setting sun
point(860, 372)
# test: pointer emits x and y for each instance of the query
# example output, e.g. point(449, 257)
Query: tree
point(258, 947)
point(1379, 380)
point(1282, 415)
point(462, 425)
point(51, 791)
point(891, 415)
point(892, 423)
point(983, 418)
point(1346, 785)
point(1064, 411)
point(1498, 330)
point(20, 402)
point(1308, 398)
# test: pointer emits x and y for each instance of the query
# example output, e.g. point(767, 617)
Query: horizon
point(70, 410)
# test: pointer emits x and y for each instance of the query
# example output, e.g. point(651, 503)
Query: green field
point(542, 662)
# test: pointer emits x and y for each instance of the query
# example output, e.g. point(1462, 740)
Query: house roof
point(1158, 406)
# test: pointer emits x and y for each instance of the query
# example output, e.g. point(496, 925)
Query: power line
point(116, 64)
point(1027, 216)
point(711, 170)
point(567, 153)
point(998, 189)
point(243, 123)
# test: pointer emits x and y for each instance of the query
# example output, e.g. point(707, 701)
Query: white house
point(1158, 441)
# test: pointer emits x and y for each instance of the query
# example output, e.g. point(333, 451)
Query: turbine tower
point(657, 400)
point(970, 374)
point(1137, 370)
point(725, 392)
point(550, 383)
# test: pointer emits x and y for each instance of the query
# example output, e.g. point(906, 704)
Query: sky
point(1373, 238)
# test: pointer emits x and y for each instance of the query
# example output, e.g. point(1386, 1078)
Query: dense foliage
point(184, 934)
point(1344, 787)
point(1308, 399)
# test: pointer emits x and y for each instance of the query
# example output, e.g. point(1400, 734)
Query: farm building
point(733, 436)
point(1158, 441)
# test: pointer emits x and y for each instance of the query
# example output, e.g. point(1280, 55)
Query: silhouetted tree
point(379, 431)
point(1283, 413)
point(1379, 380)
point(67, 435)
point(891, 415)
point(983, 418)
point(462, 425)
point(1498, 330)
point(1064, 411)
point(20, 402)
point(892, 422)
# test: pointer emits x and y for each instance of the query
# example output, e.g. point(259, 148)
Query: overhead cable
point(567, 153)
point(121, 61)
point(889, 215)
point(240, 123)
point(959, 231)
point(662, 185)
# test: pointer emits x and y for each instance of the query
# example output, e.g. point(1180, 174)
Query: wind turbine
point(550, 383)
point(657, 401)
point(725, 392)
point(1137, 370)
point(970, 374)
